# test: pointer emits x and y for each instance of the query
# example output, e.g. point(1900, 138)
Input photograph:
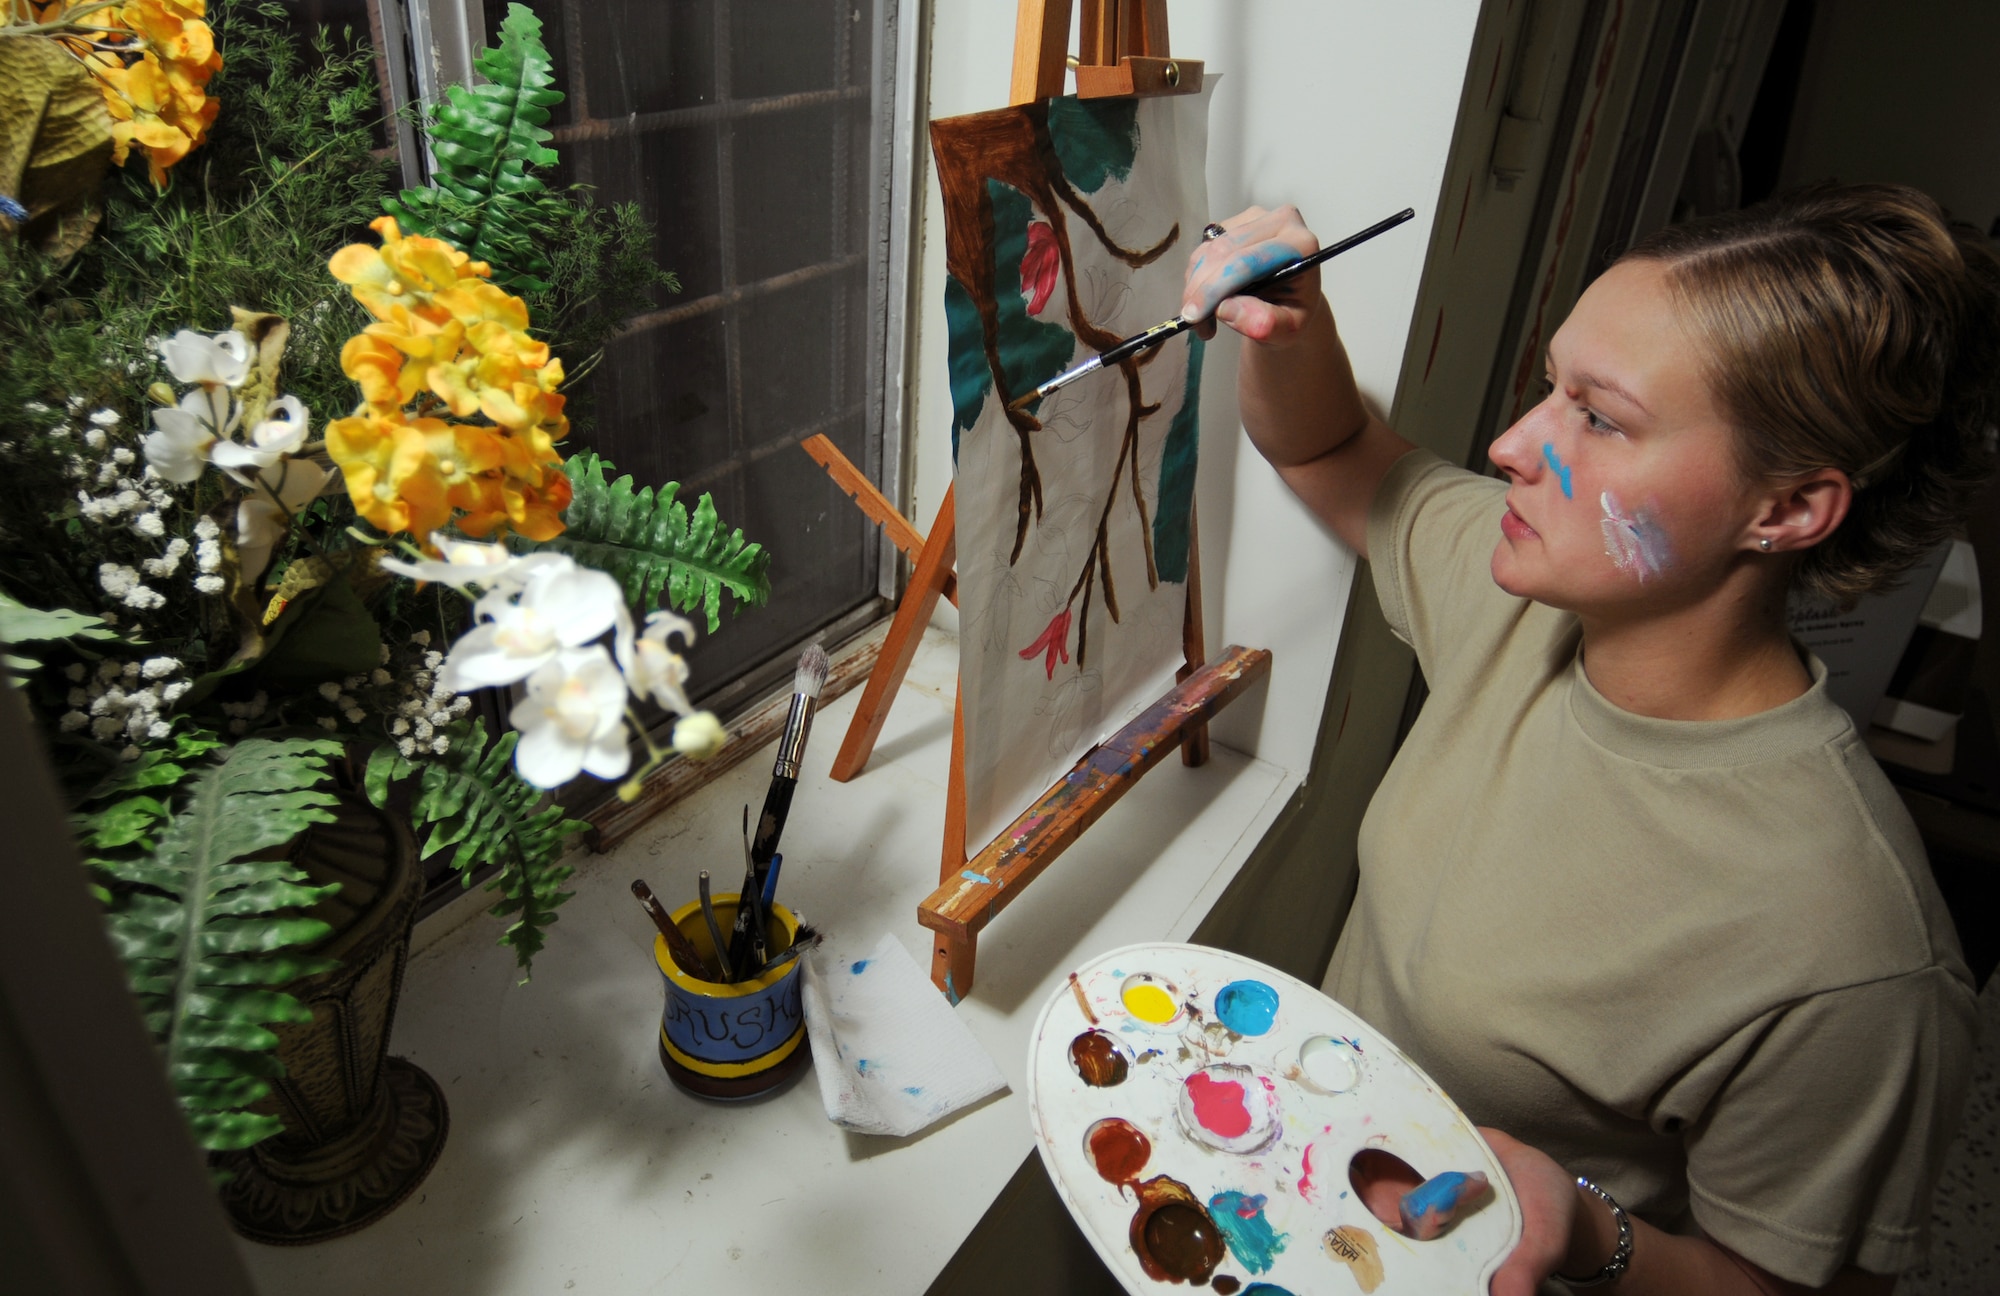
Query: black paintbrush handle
point(771, 823)
point(1304, 264)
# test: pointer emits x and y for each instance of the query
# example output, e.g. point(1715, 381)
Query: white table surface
point(573, 1163)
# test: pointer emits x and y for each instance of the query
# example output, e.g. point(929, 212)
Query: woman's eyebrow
point(1612, 386)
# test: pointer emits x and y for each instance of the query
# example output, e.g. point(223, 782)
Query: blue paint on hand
point(1250, 1236)
point(1246, 1007)
point(1241, 270)
point(1429, 1208)
point(1561, 470)
point(860, 966)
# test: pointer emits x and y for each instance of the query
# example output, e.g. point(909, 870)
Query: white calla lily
point(559, 606)
point(464, 563)
point(219, 360)
point(261, 523)
point(188, 433)
point(653, 669)
point(280, 434)
point(572, 720)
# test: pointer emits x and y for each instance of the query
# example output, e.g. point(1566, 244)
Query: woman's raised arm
point(1295, 386)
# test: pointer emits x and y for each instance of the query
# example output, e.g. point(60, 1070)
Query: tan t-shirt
point(1702, 963)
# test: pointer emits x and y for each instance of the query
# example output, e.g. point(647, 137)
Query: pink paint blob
point(1219, 1105)
point(1306, 1184)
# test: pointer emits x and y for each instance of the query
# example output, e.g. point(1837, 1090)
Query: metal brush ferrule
point(792, 746)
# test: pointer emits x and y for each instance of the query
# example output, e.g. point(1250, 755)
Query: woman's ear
point(1802, 512)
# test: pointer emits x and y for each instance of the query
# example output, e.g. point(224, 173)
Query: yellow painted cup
point(731, 1041)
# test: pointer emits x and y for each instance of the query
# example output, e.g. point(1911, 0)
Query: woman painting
point(1633, 891)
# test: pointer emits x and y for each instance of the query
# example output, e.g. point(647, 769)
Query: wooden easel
point(1123, 53)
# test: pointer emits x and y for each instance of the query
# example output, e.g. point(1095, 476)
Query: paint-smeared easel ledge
point(1199, 1113)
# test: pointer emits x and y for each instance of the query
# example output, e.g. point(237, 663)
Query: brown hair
point(1850, 327)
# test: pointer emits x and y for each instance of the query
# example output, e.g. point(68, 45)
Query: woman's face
point(1626, 498)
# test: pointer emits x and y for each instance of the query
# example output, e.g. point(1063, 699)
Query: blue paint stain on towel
point(912, 1090)
point(1561, 470)
point(862, 1066)
point(860, 966)
point(1250, 1236)
point(1246, 1007)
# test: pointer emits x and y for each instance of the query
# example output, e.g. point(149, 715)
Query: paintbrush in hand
point(807, 681)
point(1179, 324)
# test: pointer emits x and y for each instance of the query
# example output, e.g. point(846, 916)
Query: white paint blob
point(1634, 541)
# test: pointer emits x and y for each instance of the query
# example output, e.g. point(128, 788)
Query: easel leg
point(1194, 740)
point(951, 963)
point(905, 631)
point(953, 857)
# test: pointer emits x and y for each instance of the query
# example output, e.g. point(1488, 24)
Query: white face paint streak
point(1634, 542)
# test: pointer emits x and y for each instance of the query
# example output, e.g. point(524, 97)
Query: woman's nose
point(1513, 451)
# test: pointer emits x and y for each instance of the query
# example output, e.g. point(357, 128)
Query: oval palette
point(1200, 1112)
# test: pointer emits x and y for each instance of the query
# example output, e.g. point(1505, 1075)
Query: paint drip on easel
point(1205, 1119)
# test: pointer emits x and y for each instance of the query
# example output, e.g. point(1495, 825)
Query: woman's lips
point(1514, 528)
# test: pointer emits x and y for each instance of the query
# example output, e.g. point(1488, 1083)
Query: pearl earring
point(1765, 544)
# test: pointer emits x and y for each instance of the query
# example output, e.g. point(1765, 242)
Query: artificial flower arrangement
point(221, 591)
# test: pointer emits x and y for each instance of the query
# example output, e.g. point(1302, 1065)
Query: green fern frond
point(202, 927)
point(653, 547)
point(475, 805)
point(483, 198)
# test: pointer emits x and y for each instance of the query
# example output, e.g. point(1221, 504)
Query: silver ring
point(1212, 231)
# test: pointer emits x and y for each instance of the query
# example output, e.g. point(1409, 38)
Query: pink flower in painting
point(1053, 643)
point(1038, 268)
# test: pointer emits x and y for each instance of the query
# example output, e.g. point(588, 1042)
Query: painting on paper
point(1067, 228)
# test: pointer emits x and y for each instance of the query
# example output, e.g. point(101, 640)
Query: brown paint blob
point(1118, 1149)
point(1225, 1284)
point(1172, 1234)
point(1098, 1059)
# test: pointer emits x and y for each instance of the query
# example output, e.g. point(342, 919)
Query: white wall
point(1344, 108)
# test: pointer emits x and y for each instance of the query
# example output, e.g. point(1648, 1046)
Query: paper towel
point(891, 1055)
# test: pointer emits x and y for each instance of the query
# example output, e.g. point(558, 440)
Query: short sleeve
point(1431, 532)
point(1825, 1123)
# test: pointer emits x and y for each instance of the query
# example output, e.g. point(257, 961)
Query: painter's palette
point(1199, 1113)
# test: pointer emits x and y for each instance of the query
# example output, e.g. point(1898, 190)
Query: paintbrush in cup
point(807, 681)
point(686, 957)
point(803, 942)
point(714, 928)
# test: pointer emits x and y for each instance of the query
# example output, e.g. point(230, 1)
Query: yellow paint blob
point(1149, 1003)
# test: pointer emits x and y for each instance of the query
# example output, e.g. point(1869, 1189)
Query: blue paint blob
point(912, 1090)
point(1250, 1236)
point(1561, 470)
point(860, 966)
point(1246, 1007)
point(970, 876)
point(862, 1066)
point(1265, 1289)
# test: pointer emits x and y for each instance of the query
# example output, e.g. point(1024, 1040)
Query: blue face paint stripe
point(1561, 470)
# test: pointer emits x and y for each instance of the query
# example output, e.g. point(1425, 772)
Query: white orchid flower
point(261, 523)
point(465, 562)
point(560, 606)
point(572, 720)
point(222, 360)
point(653, 669)
point(281, 434)
point(187, 434)
point(699, 736)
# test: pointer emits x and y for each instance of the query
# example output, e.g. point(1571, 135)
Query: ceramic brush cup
point(731, 1041)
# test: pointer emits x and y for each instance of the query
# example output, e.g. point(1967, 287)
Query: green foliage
point(22, 624)
point(202, 925)
point(484, 200)
point(479, 809)
point(653, 547)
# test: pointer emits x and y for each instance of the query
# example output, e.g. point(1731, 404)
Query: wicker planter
point(362, 1129)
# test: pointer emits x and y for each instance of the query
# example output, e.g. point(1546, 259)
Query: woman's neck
point(1719, 659)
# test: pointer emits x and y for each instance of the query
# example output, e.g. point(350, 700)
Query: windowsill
point(574, 1164)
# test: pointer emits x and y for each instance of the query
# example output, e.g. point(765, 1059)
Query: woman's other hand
point(1548, 1198)
point(1253, 244)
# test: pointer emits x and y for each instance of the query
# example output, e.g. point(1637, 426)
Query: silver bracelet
point(1614, 1268)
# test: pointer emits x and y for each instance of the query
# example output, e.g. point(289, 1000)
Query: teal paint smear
point(1250, 1236)
point(1095, 139)
point(1246, 1007)
point(1032, 351)
point(980, 878)
point(1561, 470)
point(1175, 500)
point(966, 349)
point(1264, 1289)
